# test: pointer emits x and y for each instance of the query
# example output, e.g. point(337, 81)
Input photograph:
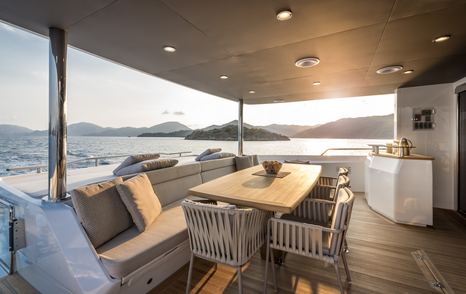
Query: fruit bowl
point(272, 167)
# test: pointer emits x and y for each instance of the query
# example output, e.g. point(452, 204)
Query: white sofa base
point(152, 274)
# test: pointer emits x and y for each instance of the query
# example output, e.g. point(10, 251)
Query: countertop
point(412, 156)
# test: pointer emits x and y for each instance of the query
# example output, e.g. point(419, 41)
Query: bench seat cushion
point(131, 250)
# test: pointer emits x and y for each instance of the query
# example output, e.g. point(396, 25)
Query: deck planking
point(380, 261)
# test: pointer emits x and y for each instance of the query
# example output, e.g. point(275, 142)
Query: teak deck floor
point(380, 261)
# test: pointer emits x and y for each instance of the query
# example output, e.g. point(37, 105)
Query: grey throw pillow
point(101, 211)
point(130, 160)
point(207, 152)
point(217, 155)
point(147, 166)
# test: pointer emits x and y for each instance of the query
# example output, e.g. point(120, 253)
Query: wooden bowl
point(272, 167)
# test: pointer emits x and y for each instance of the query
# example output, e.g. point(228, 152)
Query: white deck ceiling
point(243, 39)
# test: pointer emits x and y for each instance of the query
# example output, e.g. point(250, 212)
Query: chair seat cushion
point(131, 250)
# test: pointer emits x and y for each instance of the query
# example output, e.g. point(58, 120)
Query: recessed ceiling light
point(252, 92)
point(169, 49)
point(223, 77)
point(278, 100)
point(409, 71)
point(440, 39)
point(307, 62)
point(316, 83)
point(389, 69)
point(284, 14)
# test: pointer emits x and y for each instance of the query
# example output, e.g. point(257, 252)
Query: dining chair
point(328, 192)
point(299, 236)
point(331, 181)
point(223, 234)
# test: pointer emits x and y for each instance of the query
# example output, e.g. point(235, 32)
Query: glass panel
point(4, 236)
point(462, 153)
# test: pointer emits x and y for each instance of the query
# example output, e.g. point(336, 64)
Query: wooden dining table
point(276, 194)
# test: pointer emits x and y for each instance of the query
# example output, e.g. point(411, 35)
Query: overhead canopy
point(243, 40)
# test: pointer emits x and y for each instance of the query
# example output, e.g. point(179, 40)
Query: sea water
point(29, 150)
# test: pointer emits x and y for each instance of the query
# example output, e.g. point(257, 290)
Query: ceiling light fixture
point(441, 39)
point(252, 92)
point(316, 83)
point(389, 69)
point(223, 77)
point(169, 49)
point(307, 62)
point(409, 71)
point(284, 15)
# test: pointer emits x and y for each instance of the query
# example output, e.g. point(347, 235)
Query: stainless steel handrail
point(39, 168)
point(347, 148)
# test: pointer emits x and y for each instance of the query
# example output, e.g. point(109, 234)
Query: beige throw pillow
point(140, 200)
point(101, 212)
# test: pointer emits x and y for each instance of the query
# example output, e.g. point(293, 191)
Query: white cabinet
point(400, 189)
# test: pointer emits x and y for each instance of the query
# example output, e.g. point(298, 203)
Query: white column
point(57, 114)
point(240, 127)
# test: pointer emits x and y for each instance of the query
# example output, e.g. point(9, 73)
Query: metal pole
point(240, 127)
point(57, 114)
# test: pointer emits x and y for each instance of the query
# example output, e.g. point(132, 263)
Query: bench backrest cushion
point(172, 184)
point(101, 211)
point(217, 168)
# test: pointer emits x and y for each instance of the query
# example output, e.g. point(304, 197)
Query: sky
point(111, 95)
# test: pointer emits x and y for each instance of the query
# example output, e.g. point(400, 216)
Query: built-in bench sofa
point(143, 260)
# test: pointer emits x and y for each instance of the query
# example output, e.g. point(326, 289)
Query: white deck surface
point(36, 184)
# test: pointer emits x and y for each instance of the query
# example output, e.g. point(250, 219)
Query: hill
point(231, 123)
point(166, 127)
point(83, 128)
point(287, 130)
point(371, 127)
point(230, 133)
point(13, 130)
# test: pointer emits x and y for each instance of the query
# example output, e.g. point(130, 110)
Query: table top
point(266, 193)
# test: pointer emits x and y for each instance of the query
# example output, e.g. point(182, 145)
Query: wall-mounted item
point(423, 118)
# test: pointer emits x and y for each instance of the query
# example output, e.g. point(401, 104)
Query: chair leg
point(190, 273)
point(240, 282)
point(346, 248)
point(337, 271)
point(345, 263)
point(274, 277)
point(267, 257)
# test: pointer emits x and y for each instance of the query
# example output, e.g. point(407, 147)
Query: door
point(462, 152)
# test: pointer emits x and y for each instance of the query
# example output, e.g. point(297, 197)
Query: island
point(230, 133)
point(182, 133)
